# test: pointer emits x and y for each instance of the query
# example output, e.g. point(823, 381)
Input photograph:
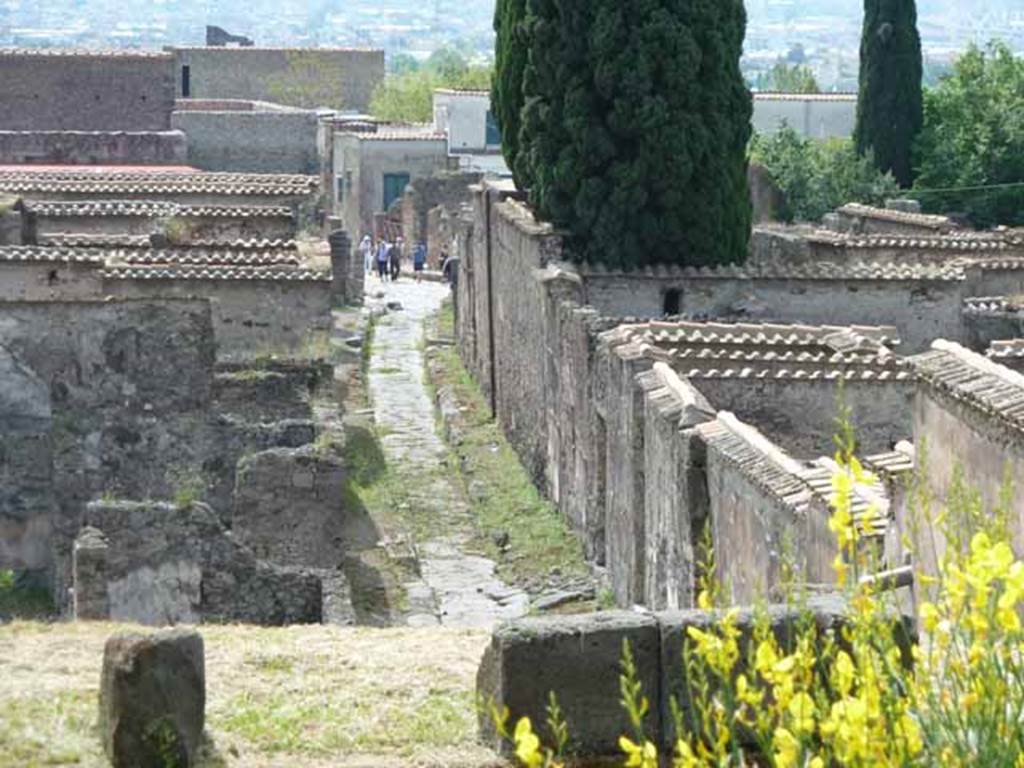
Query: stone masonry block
point(89, 563)
point(578, 658)
point(153, 699)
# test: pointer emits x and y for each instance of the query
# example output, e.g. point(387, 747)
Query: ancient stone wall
point(263, 141)
point(336, 78)
point(44, 280)
point(446, 190)
point(251, 317)
point(193, 571)
point(46, 147)
point(54, 90)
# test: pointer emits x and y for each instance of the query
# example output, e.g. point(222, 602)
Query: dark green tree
point(635, 127)
point(890, 111)
point(507, 98)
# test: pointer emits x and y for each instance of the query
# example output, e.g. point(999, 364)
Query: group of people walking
point(385, 257)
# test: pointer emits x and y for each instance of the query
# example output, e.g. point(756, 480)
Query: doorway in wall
point(394, 187)
point(186, 81)
point(672, 302)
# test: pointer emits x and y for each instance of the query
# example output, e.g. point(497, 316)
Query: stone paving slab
point(458, 588)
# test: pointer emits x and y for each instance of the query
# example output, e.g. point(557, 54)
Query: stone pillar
point(347, 275)
point(89, 568)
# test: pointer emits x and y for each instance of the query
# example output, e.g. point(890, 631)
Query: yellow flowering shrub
point(862, 696)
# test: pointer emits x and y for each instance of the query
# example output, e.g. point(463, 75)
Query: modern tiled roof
point(1012, 348)
point(938, 223)
point(257, 49)
point(469, 92)
point(983, 305)
point(206, 257)
point(874, 270)
point(32, 253)
point(118, 53)
point(216, 273)
point(398, 133)
point(151, 209)
point(82, 240)
point(952, 243)
point(973, 380)
point(112, 182)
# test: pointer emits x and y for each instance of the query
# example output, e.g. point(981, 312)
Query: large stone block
point(577, 658)
point(89, 565)
point(153, 699)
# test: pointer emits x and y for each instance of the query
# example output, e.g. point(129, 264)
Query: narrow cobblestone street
point(457, 587)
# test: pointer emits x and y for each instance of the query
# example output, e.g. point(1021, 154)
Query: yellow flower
point(801, 710)
point(929, 616)
point(528, 745)
point(787, 748)
point(684, 756)
point(844, 673)
point(637, 756)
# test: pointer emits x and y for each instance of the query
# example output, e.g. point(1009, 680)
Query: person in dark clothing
point(383, 250)
point(395, 261)
point(419, 259)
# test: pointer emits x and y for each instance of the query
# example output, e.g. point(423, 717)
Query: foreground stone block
point(576, 657)
point(153, 699)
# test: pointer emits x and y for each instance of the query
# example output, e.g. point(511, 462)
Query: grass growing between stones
point(301, 696)
point(500, 491)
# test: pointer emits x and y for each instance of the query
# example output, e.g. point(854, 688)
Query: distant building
point(814, 115)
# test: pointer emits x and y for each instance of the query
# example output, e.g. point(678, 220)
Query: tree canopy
point(972, 144)
point(634, 127)
point(889, 110)
point(408, 94)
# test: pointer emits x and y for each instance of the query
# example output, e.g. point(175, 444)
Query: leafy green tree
point(890, 111)
point(973, 139)
point(409, 97)
point(792, 78)
point(635, 126)
point(402, 62)
point(510, 54)
point(817, 177)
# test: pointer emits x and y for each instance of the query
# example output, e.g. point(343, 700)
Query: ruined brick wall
point(336, 78)
point(43, 90)
point(46, 147)
point(47, 281)
point(250, 317)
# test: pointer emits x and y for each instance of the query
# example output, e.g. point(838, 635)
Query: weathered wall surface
point(921, 310)
point(336, 78)
point(816, 116)
point(261, 141)
point(250, 317)
point(223, 228)
point(193, 571)
point(127, 384)
point(48, 281)
point(801, 415)
point(44, 90)
point(45, 147)
point(448, 190)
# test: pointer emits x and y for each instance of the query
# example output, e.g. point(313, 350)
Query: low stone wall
point(578, 659)
point(93, 148)
point(44, 280)
point(194, 571)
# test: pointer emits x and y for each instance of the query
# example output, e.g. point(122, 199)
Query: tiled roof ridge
point(901, 217)
point(36, 253)
point(147, 208)
point(747, 333)
point(881, 270)
point(265, 49)
point(216, 273)
point(763, 462)
point(789, 96)
point(823, 373)
point(198, 257)
point(954, 241)
point(979, 305)
point(1006, 349)
point(974, 379)
point(105, 53)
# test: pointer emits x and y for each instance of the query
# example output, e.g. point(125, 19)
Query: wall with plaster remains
point(54, 90)
point(115, 147)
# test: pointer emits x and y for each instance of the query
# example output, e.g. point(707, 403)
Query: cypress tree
point(507, 89)
point(890, 111)
point(635, 128)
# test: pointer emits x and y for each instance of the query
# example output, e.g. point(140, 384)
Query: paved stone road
point(458, 588)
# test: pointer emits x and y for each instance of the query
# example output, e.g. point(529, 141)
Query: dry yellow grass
point(302, 696)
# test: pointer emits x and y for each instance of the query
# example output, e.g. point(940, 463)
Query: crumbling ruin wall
point(51, 90)
point(447, 190)
point(113, 147)
point(44, 280)
point(251, 317)
point(128, 385)
point(193, 571)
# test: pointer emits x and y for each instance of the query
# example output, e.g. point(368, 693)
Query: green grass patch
point(21, 602)
point(504, 498)
point(28, 723)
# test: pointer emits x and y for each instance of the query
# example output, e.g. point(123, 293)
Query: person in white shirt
point(366, 250)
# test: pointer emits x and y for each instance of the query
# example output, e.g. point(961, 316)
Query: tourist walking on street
point(383, 249)
point(366, 251)
point(395, 260)
point(419, 260)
